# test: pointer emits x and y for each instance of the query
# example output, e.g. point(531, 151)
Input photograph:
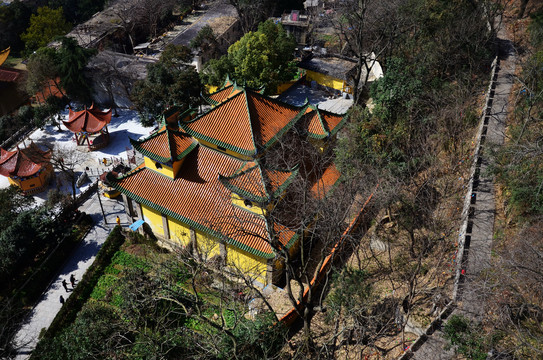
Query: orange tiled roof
point(165, 146)
point(247, 122)
point(198, 198)
point(90, 120)
point(257, 183)
point(326, 181)
point(51, 89)
point(23, 163)
point(222, 94)
point(321, 123)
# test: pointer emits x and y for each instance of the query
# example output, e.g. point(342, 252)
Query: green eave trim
point(137, 146)
point(285, 128)
point(151, 155)
point(192, 223)
point(252, 196)
point(340, 125)
point(187, 151)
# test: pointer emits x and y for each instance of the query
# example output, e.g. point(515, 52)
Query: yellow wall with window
point(326, 80)
point(208, 246)
point(162, 169)
point(239, 201)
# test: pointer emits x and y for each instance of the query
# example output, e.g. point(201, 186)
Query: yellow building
point(30, 169)
point(337, 73)
point(203, 184)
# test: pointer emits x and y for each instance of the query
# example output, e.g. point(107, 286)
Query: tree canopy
point(44, 26)
point(170, 81)
point(261, 58)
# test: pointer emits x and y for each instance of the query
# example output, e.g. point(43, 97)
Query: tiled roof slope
point(222, 94)
point(328, 179)
point(322, 123)
point(247, 122)
point(198, 198)
point(23, 162)
point(165, 145)
point(90, 120)
point(259, 184)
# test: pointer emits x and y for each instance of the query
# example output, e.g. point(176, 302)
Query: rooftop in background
point(330, 65)
point(298, 93)
point(220, 15)
point(340, 68)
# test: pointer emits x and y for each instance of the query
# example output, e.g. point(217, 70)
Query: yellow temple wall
point(32, 183)
point(154, 219)
point(325, 80)
point(164, 170)
point(248, 263)
point(179, 232)
point(240, 202)
point(208, 246)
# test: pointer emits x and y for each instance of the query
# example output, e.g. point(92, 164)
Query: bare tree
point(364, 34)
point(68, 160)
point(252, 12)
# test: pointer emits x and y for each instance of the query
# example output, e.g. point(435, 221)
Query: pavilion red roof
point(91, 120)
point(9, 75)
point(23, 162)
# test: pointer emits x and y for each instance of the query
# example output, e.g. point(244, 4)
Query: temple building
point(210, 183)
point(12, 95)
point(30, 169)
point(90, 126)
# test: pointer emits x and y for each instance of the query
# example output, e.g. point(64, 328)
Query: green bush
point(467, 337)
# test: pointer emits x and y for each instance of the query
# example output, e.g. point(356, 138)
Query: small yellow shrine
point(30, 169)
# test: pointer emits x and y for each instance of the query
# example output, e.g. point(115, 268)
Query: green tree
point(44, 26)
point(72, 60)
point(14, 19)
point(42, 67)
point(261, 58)
point(170, 81)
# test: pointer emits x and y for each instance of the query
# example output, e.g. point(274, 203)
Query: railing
point(467, 214)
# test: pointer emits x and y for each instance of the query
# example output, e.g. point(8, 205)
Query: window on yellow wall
point(158, 165)
point(248, 203)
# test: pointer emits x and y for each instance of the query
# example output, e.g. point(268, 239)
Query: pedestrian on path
point(61, 299)
point(65, 285)
point(72, 280)
point(118, 220)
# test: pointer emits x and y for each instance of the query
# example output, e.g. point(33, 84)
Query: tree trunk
point(523, 4)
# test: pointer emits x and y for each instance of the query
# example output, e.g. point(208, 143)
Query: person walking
point(118, 220)
point(65, 285)
point(61, 299)
point(72, 280)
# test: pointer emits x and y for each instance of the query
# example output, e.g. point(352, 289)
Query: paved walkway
point(49, 304)
point(479, 245)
